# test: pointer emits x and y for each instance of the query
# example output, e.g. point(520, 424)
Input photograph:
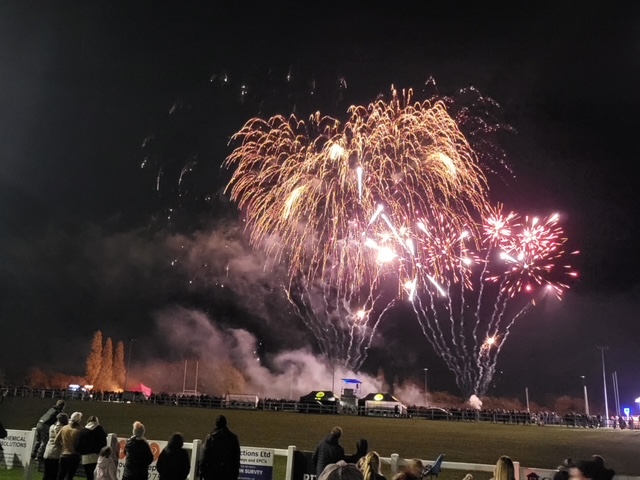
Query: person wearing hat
point(52, 451)
point(42, 429)
point(138, 455)
point(221, 455)
point(67, 439)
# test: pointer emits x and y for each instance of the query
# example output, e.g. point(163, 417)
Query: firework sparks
point(518, 262)
point(531, 250)
point(395, 192)
point(305, 181)
point(312, 192)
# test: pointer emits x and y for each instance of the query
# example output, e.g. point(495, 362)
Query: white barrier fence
point(256, 463)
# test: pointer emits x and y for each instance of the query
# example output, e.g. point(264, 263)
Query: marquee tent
point(320, 397)
point(383, 404)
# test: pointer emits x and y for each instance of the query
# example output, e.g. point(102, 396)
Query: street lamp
point(425, 386)
point(126, 375)
point(586, 398)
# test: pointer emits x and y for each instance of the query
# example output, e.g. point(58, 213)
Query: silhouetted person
point(602, 472)
point(138, 455)
point(173, 462)
point(563, 470)
point(584, 469)
point(42, 429)
point(362, 447)
point(221, 455)
point(3, 434)
point(52, 452)
point(504, 470)
point(90, 441)
point(328, 451)
point(68, 438)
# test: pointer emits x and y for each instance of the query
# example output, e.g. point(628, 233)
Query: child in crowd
point(106, 467)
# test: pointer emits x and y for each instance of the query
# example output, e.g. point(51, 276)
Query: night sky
point(91, 93)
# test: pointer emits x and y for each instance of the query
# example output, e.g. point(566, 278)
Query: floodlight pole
point(586, 398)
point(604, 385)
point(126, 375)
point(616, 393)
point(425, 386)
point(291, 385)
point(333, 376)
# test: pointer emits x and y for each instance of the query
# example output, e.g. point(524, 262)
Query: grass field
point(534, 446)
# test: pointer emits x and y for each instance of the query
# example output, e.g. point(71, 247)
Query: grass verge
point(534, 446)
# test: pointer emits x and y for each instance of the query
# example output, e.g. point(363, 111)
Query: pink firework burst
point(532, 253)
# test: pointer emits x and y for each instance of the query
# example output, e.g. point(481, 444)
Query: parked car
point(133, 397)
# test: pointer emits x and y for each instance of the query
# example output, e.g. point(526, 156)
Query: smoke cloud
point(228, 361)
point(475, 402)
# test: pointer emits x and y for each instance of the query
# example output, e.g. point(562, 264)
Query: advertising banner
point(256, 463)
point(16, 449)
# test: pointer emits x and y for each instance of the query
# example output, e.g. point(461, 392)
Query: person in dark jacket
point(3, 434)
point(221, 455)
point(138, 455)
point(563, 469)
point(42, 429)
point(589, 469)
point(603, 472)
point(173, 462)
point(328, 451)
point(90, 441)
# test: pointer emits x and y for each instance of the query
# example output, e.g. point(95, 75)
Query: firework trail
point(338, 204)
point(468, 318)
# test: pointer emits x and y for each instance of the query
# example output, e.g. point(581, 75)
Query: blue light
point(351, 380)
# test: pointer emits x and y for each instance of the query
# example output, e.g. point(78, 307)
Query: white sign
point(256, 463)
point(16, 449)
